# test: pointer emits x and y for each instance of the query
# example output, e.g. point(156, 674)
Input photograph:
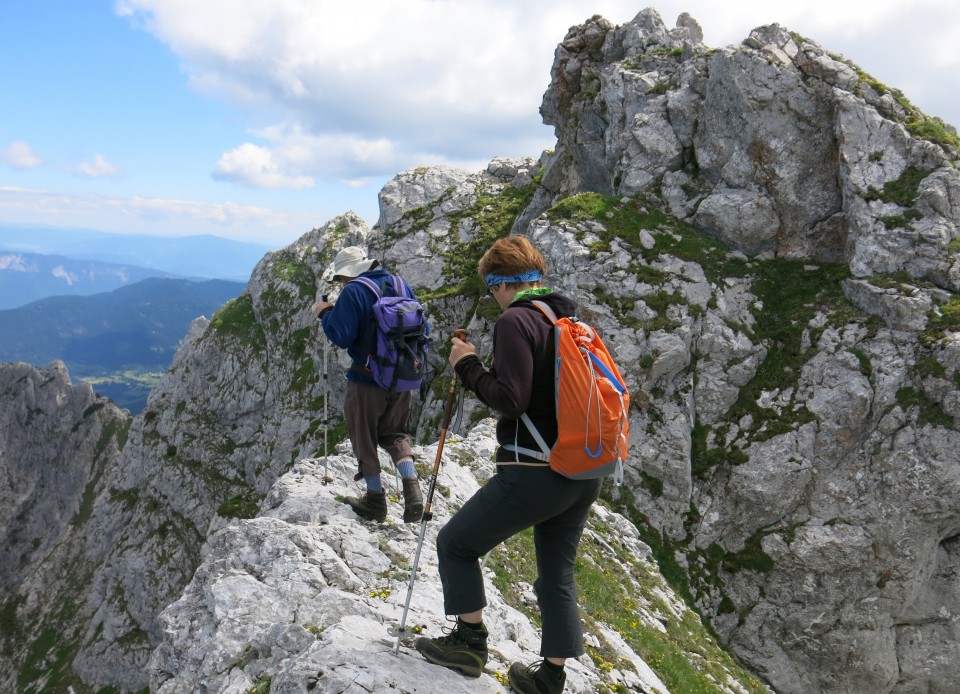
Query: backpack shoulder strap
point(547, 311)
point(544, 452)
point(400, 287)
point(369, 284)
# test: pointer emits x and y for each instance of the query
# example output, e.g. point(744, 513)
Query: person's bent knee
point(449, 545)
point(443, 541)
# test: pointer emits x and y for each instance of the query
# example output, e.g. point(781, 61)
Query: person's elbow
point(337, 337)
point(513, 408)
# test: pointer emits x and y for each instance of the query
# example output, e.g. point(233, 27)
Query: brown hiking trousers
point(376, 417)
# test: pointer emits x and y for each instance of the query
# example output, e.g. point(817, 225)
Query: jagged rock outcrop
point(43, 486)
point(772, 145)
point(770, 250)
point(59, 441)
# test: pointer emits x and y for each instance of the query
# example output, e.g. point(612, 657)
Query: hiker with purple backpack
point(383, 328)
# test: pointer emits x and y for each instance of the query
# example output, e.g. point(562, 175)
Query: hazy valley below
point(120, 341)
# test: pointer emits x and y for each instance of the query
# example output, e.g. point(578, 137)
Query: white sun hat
point(352, 261)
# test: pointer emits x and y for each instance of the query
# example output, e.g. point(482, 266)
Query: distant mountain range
point(28, 277)
point(133, 330)
point(38, 262)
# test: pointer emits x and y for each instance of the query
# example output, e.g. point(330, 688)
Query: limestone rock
point(59, 444)
point(307, 595)
point(766, 247)
point(770, 145)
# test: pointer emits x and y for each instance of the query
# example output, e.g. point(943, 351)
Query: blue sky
point(259, 120)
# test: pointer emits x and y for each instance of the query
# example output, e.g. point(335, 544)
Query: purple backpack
point(400, 361)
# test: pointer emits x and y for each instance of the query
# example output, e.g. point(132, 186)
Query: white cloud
point(346, 159)
point(97, 168)
point(257, 167)
point(335, 157)
point(159, 216)
point(451, 80)
point(19, 155)
point(364, 89)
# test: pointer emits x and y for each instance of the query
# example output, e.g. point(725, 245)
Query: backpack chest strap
point(544, 452)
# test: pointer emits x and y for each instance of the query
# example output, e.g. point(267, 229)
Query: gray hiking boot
point(371, 506)
point(463, 649)
point(412, 501)
point(536, 679)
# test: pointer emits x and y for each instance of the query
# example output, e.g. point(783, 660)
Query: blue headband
point(525, 276)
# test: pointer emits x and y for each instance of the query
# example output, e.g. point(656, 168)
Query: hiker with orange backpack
point(527, 490)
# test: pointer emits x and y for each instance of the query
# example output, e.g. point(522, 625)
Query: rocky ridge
point(793, 351)
point(305, 597)
point(59, 443)
point(39, 503)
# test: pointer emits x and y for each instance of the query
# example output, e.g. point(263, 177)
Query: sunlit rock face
point(768, 248)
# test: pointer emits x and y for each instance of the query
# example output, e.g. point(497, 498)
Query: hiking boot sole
point(365, 515)
point(413, 515)
point(464, 668)
point(523, 681)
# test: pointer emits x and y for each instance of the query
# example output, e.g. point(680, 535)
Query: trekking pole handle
point(324, 298)
point(462, 334)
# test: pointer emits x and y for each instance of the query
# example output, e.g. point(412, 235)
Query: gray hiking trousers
point(514, 499)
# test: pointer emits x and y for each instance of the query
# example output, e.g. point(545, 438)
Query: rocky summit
point(767, 239)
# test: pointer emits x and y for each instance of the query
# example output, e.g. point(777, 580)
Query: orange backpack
point(593, 428)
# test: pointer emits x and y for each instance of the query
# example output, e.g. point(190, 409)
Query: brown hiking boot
point(463, 649)
point(412, 501)
point(371, 506)
point(535, 679)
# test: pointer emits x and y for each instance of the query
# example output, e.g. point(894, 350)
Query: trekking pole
point(326, 396)
point(427, 513)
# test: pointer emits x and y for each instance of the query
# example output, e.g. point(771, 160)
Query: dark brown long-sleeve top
point(522, 377)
